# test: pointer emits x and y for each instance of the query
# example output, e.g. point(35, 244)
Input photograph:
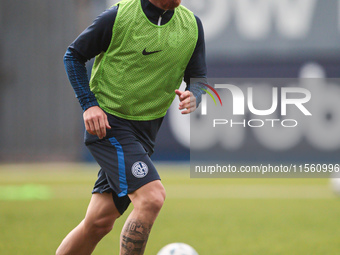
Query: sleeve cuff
point(89, 105)
point(197, 88)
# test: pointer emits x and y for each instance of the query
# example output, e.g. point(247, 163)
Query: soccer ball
point(177, 249)
point(335, 183)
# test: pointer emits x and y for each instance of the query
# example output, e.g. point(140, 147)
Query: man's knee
point(151, 198)
point(99, 227)
point(155, 200)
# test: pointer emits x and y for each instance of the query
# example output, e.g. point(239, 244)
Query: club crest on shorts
point(139, 169)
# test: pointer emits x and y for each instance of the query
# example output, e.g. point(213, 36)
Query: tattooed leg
point(147, 201)
point(134, 237)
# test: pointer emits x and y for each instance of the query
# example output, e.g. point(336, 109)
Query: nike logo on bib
point(145, 53)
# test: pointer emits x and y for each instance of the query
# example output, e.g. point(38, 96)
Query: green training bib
point(136, 77)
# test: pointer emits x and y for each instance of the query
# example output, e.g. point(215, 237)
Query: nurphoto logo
point(243, 103)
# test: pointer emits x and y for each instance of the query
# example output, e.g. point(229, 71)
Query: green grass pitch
point(40, 204)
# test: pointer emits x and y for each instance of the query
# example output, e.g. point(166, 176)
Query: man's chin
point(171, 4)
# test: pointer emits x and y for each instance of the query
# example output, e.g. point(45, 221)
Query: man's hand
point(187, 101)
point(96, 121)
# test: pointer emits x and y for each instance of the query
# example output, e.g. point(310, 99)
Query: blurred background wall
point(40, 118)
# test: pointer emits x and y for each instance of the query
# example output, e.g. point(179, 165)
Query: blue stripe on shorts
point(121, 167)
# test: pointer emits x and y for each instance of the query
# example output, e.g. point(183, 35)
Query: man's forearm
point(77, 75)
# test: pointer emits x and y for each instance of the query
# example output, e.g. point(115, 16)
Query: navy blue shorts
point(124, 161)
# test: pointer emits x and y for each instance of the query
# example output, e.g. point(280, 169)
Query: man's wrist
point(89, 105)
